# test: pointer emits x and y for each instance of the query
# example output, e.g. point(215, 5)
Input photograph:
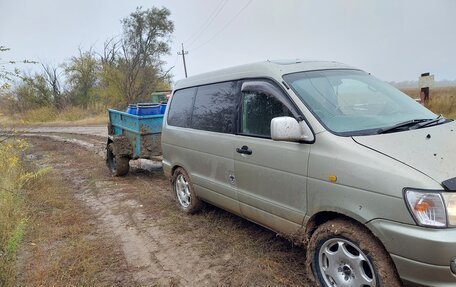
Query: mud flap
point(122, 147)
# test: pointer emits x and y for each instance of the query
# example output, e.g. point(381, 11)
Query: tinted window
point(180, 110)
point(258, 110)
point(215, 107)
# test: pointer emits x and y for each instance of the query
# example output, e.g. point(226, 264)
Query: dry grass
point(63, 244)
point(13, 218)
point(274, 259)
point(262, 257)
point(47, 237)
point(49, 116)
point(442, 100)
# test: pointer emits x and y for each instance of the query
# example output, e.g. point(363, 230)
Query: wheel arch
point(179, 165)
point(176, 166)
point(322, 217)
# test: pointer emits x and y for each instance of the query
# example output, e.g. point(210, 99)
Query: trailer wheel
point(183, 192)
point(118, 165)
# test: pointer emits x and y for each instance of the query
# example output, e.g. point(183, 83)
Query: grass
point(62, 245)
point(49, 116)
point(442, 100)
point(47, 237)
point(271, 260)
point(13, 218)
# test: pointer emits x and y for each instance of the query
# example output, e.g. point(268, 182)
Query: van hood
point(430, 150)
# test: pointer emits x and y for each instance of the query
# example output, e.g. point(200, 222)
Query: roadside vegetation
point(63, 246)
point(48, 116)
point(13, 217)
point(442, 100)
point(47, 236)
point(127, 70)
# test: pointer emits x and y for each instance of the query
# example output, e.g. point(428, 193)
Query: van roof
point(270, 69)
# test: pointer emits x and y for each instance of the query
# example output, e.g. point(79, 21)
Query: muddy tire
point(184, 193)
point(118, 165)
point(344, 253)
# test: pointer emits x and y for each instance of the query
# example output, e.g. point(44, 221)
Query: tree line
point(127, 70)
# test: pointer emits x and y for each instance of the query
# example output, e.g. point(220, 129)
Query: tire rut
point(155, 255)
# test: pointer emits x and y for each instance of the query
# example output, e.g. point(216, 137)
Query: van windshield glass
point(352, 102)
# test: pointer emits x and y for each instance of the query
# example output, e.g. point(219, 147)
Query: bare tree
point(52, 77)
point(110, 52)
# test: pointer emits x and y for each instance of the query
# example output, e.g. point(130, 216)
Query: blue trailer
point(132, 137)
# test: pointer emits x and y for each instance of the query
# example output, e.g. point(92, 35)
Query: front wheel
point(344, 253)
point(118, 165)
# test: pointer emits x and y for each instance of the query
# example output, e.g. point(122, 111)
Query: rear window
point(215, 107)
point(180, 110)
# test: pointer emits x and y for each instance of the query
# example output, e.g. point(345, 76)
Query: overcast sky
point(393, 39)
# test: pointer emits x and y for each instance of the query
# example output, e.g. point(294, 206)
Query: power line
point(212, 15)
point(207, 23)
point(226, 25)
point(175, 60)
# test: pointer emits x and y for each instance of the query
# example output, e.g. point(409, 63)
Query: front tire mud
point(344, 253)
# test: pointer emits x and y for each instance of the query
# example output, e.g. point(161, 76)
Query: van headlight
point(450, 203)
point(432, 208)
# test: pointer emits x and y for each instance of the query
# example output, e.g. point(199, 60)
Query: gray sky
point(392, 39)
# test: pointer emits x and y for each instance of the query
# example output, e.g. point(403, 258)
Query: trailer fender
point(121, 146)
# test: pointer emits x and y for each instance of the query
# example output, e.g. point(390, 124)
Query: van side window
point(215, 107)
point(180, 110)
point(258, 109)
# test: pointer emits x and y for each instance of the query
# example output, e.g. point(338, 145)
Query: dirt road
point(162, 246)
point(100, 130)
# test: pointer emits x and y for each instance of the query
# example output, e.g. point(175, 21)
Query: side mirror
point(288, 129)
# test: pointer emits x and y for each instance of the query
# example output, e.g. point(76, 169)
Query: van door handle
point(244, 150)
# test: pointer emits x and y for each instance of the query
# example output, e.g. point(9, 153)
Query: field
point(50, 116)
point(442, 100)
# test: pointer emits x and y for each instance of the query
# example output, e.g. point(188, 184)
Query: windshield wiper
point(430, 122)
point(402, 125)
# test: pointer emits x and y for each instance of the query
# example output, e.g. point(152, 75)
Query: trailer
point(132, 137)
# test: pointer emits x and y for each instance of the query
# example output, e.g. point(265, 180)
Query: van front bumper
point(422, 255)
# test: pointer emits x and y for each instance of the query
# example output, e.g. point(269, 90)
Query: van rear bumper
point(167, 168)
point(422, 255)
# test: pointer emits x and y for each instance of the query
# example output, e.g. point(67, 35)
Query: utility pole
point(183, 53)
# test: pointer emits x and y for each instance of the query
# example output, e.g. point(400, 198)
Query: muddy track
point(162, 246)
point(99, 130)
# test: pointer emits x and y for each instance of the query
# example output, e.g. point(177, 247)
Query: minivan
point(360, 174)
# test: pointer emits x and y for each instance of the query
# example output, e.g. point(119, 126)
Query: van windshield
point(352, 102)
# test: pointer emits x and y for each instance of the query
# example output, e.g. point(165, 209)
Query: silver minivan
point(357, 172)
